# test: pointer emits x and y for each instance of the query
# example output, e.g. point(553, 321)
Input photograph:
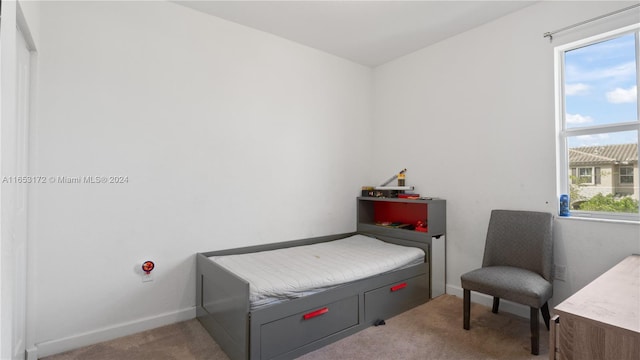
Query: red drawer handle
point(398, 287)
point(315, 313)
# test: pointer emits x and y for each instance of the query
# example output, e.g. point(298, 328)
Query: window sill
point(580, 217)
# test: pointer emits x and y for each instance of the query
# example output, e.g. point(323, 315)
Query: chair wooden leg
point(466, 308)
point(545, 314)
point(535, 331)
point(496, 305)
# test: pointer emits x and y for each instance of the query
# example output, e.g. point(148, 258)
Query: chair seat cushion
point(509, 283)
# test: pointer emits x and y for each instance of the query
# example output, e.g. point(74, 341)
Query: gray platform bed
point(280, 331)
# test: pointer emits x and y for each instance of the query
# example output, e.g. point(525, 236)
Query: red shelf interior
point(406, 213)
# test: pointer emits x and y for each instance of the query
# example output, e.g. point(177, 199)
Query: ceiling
point(367, 32)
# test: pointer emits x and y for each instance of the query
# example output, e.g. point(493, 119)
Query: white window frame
point(563, 133)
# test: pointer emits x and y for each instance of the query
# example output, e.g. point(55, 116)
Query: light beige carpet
point(430, 331)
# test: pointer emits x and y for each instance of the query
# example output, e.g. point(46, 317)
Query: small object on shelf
point(409, 196)
point(407, 227)
point(393, 178)
point(564, 205)
point(401, 178)
point(396, 225)
point(400, 188)
point(380, 193)
point(368, 191)
point(421, 226)
point(384, 191)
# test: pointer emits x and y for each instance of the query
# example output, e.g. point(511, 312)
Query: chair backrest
point(521, 239)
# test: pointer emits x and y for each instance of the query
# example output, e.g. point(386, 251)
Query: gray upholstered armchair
point(517, 262)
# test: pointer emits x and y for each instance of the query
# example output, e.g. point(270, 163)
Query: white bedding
point(289, 273)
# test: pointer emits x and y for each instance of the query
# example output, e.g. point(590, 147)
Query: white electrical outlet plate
point(147, 277)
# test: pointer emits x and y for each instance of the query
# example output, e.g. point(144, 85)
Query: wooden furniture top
point(613, 299)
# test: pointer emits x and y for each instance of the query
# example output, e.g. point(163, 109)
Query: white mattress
point(284, 274)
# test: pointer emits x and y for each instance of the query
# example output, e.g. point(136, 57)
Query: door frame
point(15, 346)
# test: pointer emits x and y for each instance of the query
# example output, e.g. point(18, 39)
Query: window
point(585, 176)
point(598, 126)
point(626, 175)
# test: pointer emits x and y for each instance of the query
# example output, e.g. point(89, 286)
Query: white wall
point(472, 118)
point(229, 137)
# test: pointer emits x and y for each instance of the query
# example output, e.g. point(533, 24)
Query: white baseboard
point(31, 353)
point(486, 300)
point(57, 346)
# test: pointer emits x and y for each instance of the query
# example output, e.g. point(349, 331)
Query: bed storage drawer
point(289, 333)
point(392, 299)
